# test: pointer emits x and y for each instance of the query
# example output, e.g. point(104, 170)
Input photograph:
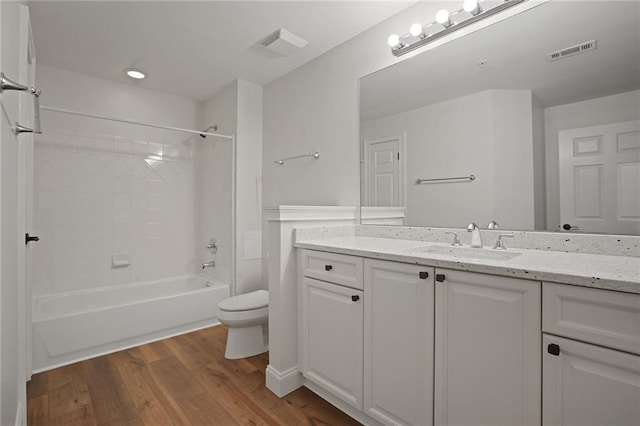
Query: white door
point(332, 339)
point(398, 343)
point(12, 321)
point(487, 356)
point(25, 189)
point(383, 184)
point(600, 178)
point(589, 385)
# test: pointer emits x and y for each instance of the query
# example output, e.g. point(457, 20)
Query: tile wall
point(98, 195)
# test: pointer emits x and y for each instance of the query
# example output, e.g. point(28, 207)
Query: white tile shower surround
point(607, 262)
point(97, 195)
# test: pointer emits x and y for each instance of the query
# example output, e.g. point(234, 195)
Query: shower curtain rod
point(157, 126)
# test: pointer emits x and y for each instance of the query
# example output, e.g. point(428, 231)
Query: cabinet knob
point(423, 275)
point(553, 349)
point(440, 278)
point(328, 267)
point(355, 298)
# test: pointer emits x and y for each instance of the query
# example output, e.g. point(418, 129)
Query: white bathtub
point(73, 326)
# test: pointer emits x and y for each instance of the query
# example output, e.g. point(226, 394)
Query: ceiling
point(515, 54)
point(193, 49)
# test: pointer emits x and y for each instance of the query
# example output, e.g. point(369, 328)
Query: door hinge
point(398, 156)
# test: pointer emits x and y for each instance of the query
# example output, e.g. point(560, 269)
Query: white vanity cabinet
point(596, 380)
point(487, 350)
point(332, 328)
point(398, 342)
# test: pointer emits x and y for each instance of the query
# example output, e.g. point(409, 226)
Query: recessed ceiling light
point(137, 74)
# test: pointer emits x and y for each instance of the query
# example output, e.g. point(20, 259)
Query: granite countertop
point(619, 273)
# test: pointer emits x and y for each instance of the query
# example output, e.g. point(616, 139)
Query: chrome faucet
point(499, 244)
point(209, 264)
point(476, 239)
point(493, 225)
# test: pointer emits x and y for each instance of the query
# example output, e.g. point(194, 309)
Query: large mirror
point(488, 128)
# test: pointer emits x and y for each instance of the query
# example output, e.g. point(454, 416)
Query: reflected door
point(382, 171)
point(600, 178)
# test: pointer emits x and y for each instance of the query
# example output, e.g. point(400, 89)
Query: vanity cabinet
point(487, 349)
point(332, 324)
point(398, 342)
point(594, 381)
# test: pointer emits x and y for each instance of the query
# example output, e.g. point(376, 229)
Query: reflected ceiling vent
point(283, 42)
point(573, 50)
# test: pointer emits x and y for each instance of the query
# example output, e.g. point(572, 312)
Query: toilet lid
point(246, 302)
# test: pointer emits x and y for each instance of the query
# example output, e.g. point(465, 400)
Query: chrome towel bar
point(445, 180)
point(315, 155)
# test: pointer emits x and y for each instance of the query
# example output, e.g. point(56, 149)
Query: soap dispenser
point(476, 240)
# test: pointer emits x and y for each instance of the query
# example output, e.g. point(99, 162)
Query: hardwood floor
point(184, 380)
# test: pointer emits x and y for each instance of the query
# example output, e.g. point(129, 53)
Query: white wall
point(237, 110)
point(104, 188)
point(594, 112)
point(216, 159)
point(487, 134)
point(249, 188)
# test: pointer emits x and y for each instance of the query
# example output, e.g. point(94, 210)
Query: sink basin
point(466, 252)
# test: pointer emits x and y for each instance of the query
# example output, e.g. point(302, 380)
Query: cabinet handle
point(440, 278)
point(355, 298)
point(423, 275)
point(553, 349)
point(328, 267)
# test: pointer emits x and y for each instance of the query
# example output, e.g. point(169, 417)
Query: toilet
point(246, 316)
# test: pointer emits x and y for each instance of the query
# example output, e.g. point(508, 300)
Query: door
point(589, 385)
point(398, 354)
point(332, 339)
point(600, 178)
point(12, 296)
point(383, 183)
point(487, 357)
point(25, 190)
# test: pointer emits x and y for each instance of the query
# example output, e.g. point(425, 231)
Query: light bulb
point(472, 7)
point(442, 18)
point(415, 30)
point(138, 75)
point(393, 40)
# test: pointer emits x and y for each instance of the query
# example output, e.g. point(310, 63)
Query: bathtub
point(77, 325)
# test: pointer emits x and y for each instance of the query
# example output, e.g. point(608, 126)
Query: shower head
point(214, 127)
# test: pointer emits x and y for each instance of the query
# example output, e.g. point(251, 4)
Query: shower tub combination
point(77, 325)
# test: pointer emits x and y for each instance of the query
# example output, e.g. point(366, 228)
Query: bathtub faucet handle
point(212, 246)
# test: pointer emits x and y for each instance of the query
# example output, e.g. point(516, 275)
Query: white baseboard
point(283, 383)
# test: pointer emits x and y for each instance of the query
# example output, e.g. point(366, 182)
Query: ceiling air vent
point(283, 42)
point(573, 50)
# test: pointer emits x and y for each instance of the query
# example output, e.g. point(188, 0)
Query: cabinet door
point(332, 339)
point(398, 355)
point(487, 358)
point(589, 385)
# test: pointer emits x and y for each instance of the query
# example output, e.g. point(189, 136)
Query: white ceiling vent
point(573, 50)
point(283, 42)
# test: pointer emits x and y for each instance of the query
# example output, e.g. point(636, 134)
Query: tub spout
point(209, 264)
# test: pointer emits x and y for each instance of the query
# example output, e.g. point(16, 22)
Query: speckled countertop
point(619, 273)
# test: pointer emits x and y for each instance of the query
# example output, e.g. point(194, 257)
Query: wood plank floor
point(184, 380)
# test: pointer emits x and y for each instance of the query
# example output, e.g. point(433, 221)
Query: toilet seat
point(246, 302)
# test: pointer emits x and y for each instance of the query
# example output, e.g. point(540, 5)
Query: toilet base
point(243, 342)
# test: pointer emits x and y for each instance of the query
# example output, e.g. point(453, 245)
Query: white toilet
point(246, 315)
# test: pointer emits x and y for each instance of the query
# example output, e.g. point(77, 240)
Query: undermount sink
point(470, 253)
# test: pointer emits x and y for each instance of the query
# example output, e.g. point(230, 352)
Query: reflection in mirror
point(543, 109)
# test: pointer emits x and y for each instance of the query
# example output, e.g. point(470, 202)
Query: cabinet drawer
point(602, 317)
point(336, 268)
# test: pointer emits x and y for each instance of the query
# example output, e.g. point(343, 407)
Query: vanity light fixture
point(470, 13)
point(135, 74)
